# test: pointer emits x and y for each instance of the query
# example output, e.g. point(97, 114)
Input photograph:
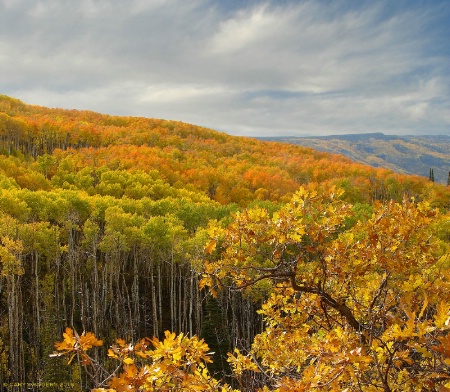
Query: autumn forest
point(142, 254)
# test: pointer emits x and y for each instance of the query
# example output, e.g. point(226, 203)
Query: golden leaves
point(442, 315)
point(175, 362)
point(443, 347)
point(68, 343)
point(241, 363)
point(74, 344)
point(10, 251)
point(257, 246)
point(88, 340)
point(360, 304)
point(209, 248)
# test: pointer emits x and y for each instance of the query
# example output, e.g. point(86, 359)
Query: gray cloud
point(256, 68)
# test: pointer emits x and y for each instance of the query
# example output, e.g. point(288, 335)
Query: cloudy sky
point(245, 67)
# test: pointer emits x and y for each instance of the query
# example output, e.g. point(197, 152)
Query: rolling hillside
point(70, 149)
point(402, 154)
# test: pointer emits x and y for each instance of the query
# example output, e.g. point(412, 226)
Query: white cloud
point(267, 67)
point(247, 27)
point(173, 93)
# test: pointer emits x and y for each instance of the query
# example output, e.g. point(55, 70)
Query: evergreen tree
point(431, 175)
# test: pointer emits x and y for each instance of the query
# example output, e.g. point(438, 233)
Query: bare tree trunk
point(191, 302)
point(182, 299)
point(14, 300)
point(172, 294)
point(154, 303)
point(95, 294)
point(160, 297)
point(199, 295)
point(135, 295)
point(71, 257)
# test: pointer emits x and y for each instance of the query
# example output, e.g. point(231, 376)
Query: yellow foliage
point(360, 307)
point(175, 362)
point(351, 308)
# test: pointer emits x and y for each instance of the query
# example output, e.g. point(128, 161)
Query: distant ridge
point(403, 154)
point(358, 136)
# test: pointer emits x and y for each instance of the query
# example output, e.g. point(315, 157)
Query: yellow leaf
point(210, 247)
point(441, 318)
point(128, 361)
point(89, 340)
point(68, 343)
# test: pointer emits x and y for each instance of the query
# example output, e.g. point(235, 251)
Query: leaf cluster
point(361, 308)
point(175, 363)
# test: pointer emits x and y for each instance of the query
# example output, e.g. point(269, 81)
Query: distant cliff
point(403, 154)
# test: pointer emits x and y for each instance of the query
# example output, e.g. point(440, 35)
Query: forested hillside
point(104, 222)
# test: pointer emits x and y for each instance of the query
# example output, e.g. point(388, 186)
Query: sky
point(244, 67)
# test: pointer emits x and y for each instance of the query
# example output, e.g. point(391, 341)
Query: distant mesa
point(403, 154)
